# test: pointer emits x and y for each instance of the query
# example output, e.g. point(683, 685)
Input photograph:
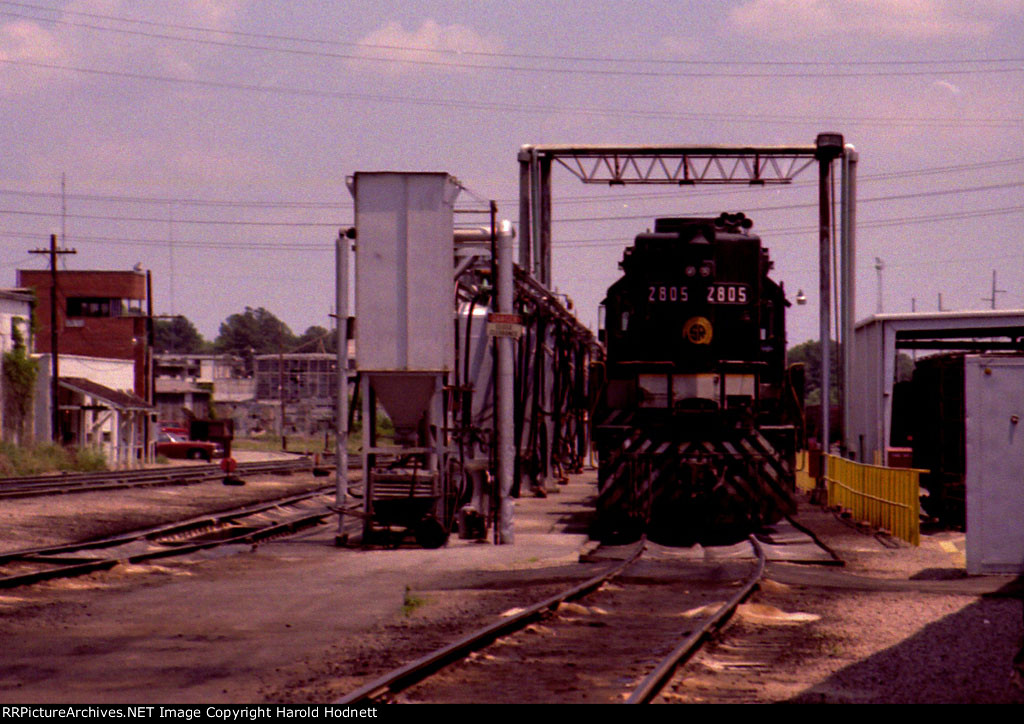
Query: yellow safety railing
point(804, 481)
point(887, 498)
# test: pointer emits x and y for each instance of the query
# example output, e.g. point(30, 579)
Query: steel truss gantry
point(652, 165)
point(716, 165)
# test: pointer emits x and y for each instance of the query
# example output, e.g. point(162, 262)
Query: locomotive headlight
point(705, 271)
point(691, 270)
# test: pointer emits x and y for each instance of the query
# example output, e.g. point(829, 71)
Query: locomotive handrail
point(740, 363)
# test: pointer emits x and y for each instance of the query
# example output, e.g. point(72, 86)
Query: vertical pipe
point(828, 147)
point(544, 179)
point(280, 395)
point(524, 208)
point(824, 296)
point(150, 344)
point(369, 420)
point(341, 433)
point(486, 497)
point(849, 281)
point(536, 223)
point(505, 389)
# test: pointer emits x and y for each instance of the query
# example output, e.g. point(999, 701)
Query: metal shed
point(879, 338)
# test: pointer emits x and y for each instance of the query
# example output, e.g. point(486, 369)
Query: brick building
point(105, 359)
point(99, 314)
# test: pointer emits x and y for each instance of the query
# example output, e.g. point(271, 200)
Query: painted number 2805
point(667, 294)
point(727, 294)
point(716, 294)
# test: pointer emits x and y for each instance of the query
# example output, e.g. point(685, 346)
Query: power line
point(902, 221)
point(788, 207)
point(186, 244)
point(561, 200)
point(831, 73)
point(767, 232)
point(772, 233)
point(590, 219)
point(580, 219)
point(532, 109)
point(164, 200)
point(480, 53)
point(103, 217)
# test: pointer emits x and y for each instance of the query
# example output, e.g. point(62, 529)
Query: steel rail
point(68, 566)
point(655, 681)
point(112, 480)
point(416, 671)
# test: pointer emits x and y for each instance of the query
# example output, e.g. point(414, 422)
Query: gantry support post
point(848, 299)
point(829, 147)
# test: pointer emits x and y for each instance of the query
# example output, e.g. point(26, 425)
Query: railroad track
point(246, 525)
point(65, 483)
point(621, 646)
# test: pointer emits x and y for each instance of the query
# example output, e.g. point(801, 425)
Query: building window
point(88, 307)
point(103, 307)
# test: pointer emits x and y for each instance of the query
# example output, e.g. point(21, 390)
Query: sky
point(209, 140)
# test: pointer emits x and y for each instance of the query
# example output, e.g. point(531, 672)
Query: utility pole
point(53, 251)
point(63, 207)
point(994, 291)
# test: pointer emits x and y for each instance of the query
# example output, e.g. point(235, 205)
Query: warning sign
point(505, 325)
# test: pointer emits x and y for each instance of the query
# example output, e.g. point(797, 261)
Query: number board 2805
point(714, 294)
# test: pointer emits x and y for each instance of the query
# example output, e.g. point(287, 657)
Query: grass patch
point(410, 602)
point(48, 457)
point(304, 443)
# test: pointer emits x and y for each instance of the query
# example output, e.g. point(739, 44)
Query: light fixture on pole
point(879, 266)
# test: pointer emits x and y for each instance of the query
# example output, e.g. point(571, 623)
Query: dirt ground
point(895, 625)
point(299, 620)
point(295, 620)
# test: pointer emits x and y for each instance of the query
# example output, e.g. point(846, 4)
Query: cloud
point(431, 46)
point(874, 19)
point(23, 41)
point(63, 39)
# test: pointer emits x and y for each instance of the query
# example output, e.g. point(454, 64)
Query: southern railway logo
point(697, 330)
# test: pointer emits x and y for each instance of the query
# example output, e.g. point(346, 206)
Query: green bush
point(89, 459)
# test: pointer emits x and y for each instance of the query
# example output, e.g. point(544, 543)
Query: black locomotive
point(695, 422)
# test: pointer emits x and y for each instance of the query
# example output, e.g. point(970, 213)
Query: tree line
point(809, 354)
point(252, 332)
point(257, 331)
